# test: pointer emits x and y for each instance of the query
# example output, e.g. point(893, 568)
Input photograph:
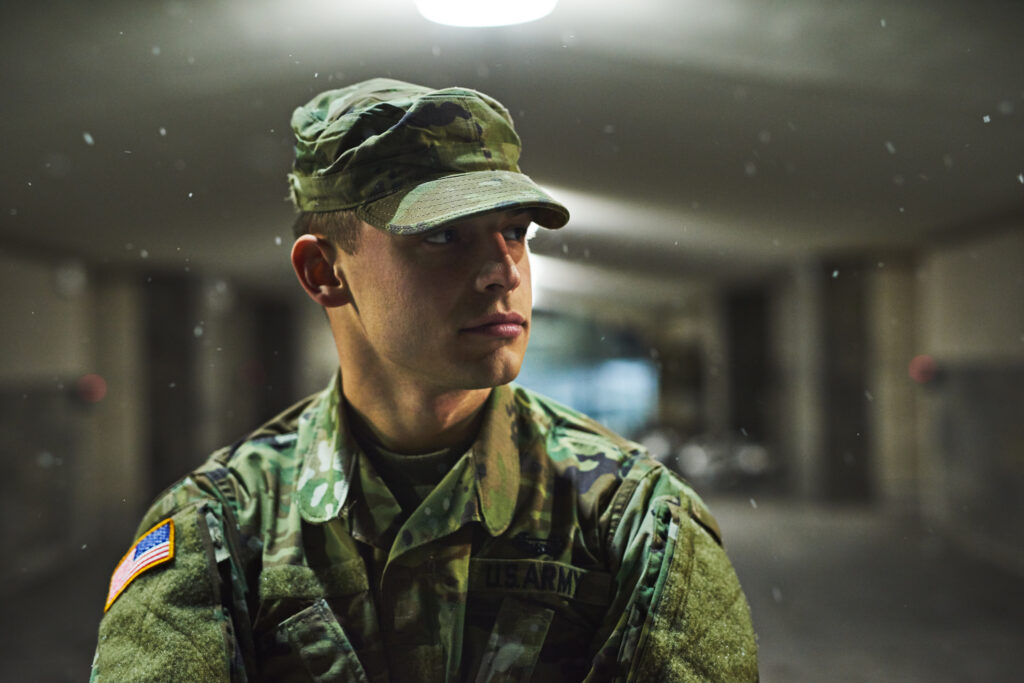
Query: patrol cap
point(409, 159)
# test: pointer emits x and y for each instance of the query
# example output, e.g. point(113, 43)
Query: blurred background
point(794, 272)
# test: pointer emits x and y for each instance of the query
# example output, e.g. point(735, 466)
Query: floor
point(846, 594)
point(837, 594)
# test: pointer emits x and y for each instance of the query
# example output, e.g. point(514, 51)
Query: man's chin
point(498, 369)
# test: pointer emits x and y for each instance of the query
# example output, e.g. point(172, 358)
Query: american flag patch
point(155, 547)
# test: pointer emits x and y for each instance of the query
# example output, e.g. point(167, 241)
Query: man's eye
point(517, 233)
point(446, 236)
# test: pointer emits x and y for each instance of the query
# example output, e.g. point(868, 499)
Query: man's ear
point(313, 261)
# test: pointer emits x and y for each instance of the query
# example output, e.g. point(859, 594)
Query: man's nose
point(499, 269)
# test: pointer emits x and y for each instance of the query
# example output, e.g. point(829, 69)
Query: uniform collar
point(495, 460)
point(330, 457)
point(328, 454)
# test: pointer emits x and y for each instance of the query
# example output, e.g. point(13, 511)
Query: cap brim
point(460, 196)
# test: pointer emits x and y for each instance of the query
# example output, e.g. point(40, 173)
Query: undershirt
point(410, 478)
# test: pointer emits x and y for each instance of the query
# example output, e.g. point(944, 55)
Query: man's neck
point(411, 419)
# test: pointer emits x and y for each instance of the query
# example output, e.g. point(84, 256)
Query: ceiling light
point(484, 12)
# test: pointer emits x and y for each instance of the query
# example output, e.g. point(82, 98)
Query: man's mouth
point(501, 325)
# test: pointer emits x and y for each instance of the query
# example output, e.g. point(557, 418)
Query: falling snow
point(88, 138)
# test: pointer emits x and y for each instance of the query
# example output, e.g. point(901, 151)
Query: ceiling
point(695, 141)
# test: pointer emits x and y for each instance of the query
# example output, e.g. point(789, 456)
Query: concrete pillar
point(223, 336)
point(245, 362)
point(892, 413)
point(113, 475)
point(716, 379)
point(797, 327)
point(317, 357)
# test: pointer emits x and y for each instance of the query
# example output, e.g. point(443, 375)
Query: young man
point(421, 519)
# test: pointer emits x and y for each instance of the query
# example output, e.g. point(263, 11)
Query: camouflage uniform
point(554, 550)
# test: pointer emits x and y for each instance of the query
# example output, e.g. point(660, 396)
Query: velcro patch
point(155, 547)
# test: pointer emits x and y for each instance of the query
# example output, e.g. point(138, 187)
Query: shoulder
point(579, 447)
point(603, 464)
point(262, 463)
point(618, 485)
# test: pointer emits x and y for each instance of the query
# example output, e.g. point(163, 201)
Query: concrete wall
point(949, 447)
point(844, 333)
point(46, 326)
point(971, 426)
point(113, 383)
point(72, 476)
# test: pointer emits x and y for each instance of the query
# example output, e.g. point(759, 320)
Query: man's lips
point(504, 325)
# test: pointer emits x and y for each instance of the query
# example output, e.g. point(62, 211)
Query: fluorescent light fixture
point(484, 12)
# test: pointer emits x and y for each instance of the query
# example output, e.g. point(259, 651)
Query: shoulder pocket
point(318, 640)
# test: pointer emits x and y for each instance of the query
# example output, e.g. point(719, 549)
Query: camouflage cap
point(409, 159)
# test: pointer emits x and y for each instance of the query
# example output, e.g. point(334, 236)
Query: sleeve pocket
point(318, 640)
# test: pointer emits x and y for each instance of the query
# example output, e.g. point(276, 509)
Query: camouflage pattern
point(408, 158)
point(554, 550)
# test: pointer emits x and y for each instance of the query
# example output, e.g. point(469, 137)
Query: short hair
point(340, 227)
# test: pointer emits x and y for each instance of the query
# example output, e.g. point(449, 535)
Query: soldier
point(422, 519)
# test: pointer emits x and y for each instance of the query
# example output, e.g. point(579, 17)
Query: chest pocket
point(544, 615)
point(300, 633)
point(515, 642)
point(318, 640)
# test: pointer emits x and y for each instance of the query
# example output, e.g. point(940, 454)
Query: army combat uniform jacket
point(554, 550)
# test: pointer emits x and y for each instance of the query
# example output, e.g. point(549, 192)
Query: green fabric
point(548, 518)
point(515, 642)
point(410, 158)
point(178, 609)
point(325, 650)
